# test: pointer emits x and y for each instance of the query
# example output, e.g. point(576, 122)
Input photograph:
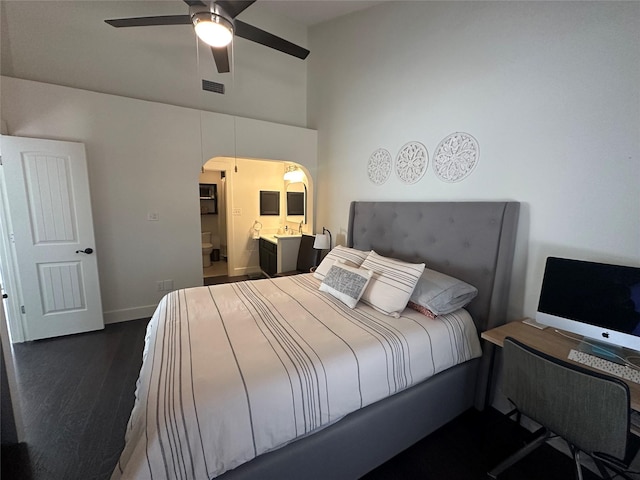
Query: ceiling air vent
point(214, 87)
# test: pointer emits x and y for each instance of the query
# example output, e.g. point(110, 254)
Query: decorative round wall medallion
point(379, 166)
point(412, 162)
point(455, 157)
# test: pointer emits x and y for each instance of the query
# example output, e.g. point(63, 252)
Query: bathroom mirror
point(297, 202)
point(269, 202)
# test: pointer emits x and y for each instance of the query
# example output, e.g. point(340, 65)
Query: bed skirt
point(352, 447)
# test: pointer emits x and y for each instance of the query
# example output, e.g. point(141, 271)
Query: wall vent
point(214, 87)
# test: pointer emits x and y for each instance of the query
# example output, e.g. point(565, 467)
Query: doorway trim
point(8, 270)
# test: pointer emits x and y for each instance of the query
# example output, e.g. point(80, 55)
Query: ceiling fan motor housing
point(212, 12)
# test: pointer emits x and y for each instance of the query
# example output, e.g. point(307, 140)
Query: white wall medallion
point(455, 157)
point(379, 166)
point(412, 162)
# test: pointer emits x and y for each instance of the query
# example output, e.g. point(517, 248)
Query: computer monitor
point(595, 300)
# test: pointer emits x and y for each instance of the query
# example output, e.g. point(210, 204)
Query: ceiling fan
point(215, 23)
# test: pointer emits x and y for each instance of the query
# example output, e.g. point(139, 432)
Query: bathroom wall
point(253, 176)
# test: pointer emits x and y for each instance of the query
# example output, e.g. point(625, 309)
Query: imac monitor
point(595, 300)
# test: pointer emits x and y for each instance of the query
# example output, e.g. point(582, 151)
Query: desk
point(549, 342)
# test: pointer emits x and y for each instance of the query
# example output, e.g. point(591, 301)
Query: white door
point(51, 226)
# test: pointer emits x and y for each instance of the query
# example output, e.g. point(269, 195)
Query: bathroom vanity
point(278, 253)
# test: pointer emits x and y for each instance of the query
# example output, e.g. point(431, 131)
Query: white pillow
point(346, 283)
point(441, 293)
point(350, 256)
point(392, 284)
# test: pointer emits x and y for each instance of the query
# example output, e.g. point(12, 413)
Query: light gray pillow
point(346, 283)
point(392, 283)
point(350, 256)
point(441, 293)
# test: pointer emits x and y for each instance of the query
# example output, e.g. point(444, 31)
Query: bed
point(386, 402)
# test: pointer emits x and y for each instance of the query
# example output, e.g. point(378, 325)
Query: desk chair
point(589, 410)
point(308, 257)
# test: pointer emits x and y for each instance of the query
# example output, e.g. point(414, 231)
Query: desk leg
point(492, 362)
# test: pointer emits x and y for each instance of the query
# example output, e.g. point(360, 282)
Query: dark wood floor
point(77, 393)
point(471, 445)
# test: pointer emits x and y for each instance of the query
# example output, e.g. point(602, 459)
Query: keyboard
point(612, 368)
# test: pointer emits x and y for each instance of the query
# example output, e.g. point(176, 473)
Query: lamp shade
point(322, 241)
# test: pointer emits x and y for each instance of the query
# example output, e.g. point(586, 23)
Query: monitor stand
point(605, 351)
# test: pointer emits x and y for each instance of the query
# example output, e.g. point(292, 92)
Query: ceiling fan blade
point(221, 57)
point(150, 21)
point(235, 7)
point(267, 39)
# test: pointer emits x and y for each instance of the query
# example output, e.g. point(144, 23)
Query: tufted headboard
point(472, 241)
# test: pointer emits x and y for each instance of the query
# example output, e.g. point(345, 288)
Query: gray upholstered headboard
point(472, 241)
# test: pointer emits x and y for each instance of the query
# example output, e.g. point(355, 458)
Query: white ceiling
point(306, 12)
point(312, 12)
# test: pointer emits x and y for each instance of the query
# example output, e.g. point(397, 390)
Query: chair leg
point(602, 469)
point(619, 471)
point(542, 437)
point(576, 458)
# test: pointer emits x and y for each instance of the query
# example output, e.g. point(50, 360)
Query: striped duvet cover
point(235, 370)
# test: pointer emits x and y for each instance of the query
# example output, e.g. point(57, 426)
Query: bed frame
point(472, 241)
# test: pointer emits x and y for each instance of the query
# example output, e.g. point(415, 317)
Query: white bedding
point(235, 370)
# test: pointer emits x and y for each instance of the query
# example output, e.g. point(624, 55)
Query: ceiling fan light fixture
point(213, 29)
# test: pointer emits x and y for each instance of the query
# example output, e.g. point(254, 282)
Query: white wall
point(68, 43)
point(146, 157)
point(549, 90)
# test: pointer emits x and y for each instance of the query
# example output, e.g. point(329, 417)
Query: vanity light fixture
point(212, 29)
point(323, 240)
point(293, 174)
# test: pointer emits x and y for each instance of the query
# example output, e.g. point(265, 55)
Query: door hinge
point(0, 160)
point(22, 309)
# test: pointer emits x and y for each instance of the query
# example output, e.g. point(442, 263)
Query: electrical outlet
point(153, 216)
point(160, 285)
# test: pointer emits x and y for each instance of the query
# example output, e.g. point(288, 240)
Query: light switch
point(153, 216)
point(237, 211)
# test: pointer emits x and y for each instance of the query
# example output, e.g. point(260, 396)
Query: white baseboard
point(239, 271)
point(126, 314)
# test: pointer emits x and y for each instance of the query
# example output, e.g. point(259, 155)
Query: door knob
point(88, 251)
